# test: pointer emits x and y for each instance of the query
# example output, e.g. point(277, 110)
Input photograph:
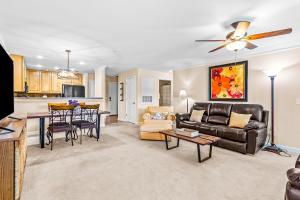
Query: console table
point(12, 158)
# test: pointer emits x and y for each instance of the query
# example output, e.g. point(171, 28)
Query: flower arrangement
point(74, 103)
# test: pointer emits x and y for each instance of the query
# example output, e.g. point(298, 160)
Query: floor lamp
point(183, 94)
point(272, 147)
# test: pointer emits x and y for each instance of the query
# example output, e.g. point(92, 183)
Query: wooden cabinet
point(77, 81)
point(46, 82)
point(13, 159)
point(34, 81)
point(56, 83)
point(19, 73)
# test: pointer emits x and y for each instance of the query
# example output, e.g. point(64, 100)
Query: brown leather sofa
point(293, 184)
point(215, 122)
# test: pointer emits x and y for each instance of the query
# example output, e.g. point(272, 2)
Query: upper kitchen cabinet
point(19, 73)
point(46, 82)
point(34, 81)
point(77, 81)
point(56, 83)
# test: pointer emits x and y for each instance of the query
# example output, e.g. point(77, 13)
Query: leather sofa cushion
point(207, 128)
point(235, 134)
point(218, 120)
point(202, 106)
point(254, 109)
point(189, 124)
point(234, 146)
point(220, 109)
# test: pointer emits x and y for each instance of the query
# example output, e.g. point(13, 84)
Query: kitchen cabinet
point(46, 82)
point(34, 81)
point(19, 73)
point(56, 84)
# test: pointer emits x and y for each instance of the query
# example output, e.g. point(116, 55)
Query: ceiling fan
point(239, 39)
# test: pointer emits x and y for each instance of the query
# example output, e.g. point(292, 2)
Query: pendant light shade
point(67, 73)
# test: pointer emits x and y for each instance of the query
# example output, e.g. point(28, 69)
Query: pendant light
point(67, 73)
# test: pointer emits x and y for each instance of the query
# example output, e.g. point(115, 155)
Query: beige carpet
point(121, 166)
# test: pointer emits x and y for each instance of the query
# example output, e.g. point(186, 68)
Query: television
point(73, 91)
point(6, 84)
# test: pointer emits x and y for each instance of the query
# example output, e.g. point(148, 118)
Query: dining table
point(43, 115)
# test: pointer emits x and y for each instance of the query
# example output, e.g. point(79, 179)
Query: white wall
point(287, 90)
point(140, 74)
point(100, 81)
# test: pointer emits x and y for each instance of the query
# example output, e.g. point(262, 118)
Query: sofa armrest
point(255, 125)
point(146, 116)
point(297, 165)
point(294, 177)
point(265, 117)
point(183, 116)
point(171, 117)
point(256, 139)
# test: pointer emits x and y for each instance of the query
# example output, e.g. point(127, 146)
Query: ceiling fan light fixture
point(236, 45)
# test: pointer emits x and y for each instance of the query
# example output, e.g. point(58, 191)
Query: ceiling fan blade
point(268, 34)
point(220, 47)
point(240, 29)
point(250, 46)
point(209, 40)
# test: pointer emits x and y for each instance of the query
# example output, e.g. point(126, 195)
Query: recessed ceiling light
point(39, 66)
point(40, 57)
point(56, 68)
point(82, 63)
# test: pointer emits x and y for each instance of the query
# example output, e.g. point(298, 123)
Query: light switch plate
point(298, 101)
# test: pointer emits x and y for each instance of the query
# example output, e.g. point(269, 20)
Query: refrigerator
point(73, 91)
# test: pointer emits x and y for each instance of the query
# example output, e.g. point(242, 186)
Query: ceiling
point(125, 34)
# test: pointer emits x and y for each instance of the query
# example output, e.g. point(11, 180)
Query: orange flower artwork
point(229, 82)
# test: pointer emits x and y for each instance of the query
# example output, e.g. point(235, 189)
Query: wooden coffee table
point(202, 140)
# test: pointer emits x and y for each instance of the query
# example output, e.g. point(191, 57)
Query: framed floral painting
point(229, 82)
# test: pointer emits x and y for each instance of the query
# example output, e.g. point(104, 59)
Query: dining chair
point(59, 122)
point(55, 104)
point(88, 120)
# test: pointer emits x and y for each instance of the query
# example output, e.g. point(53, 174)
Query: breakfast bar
point(36, 109)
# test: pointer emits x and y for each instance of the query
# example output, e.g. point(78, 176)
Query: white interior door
point(131, 99)
point(113, 98)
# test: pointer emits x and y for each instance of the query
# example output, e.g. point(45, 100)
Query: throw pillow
point(159, 116)
point(239, 120)
point(197, 115)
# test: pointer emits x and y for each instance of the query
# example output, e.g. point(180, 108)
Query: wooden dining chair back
point(59, 122)
point(55, 104)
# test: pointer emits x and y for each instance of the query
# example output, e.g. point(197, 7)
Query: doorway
point(131, 110)
point(113, 98)
point(165, 93)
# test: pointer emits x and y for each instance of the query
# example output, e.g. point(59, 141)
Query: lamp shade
point(182, 93)
point(272, 72)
